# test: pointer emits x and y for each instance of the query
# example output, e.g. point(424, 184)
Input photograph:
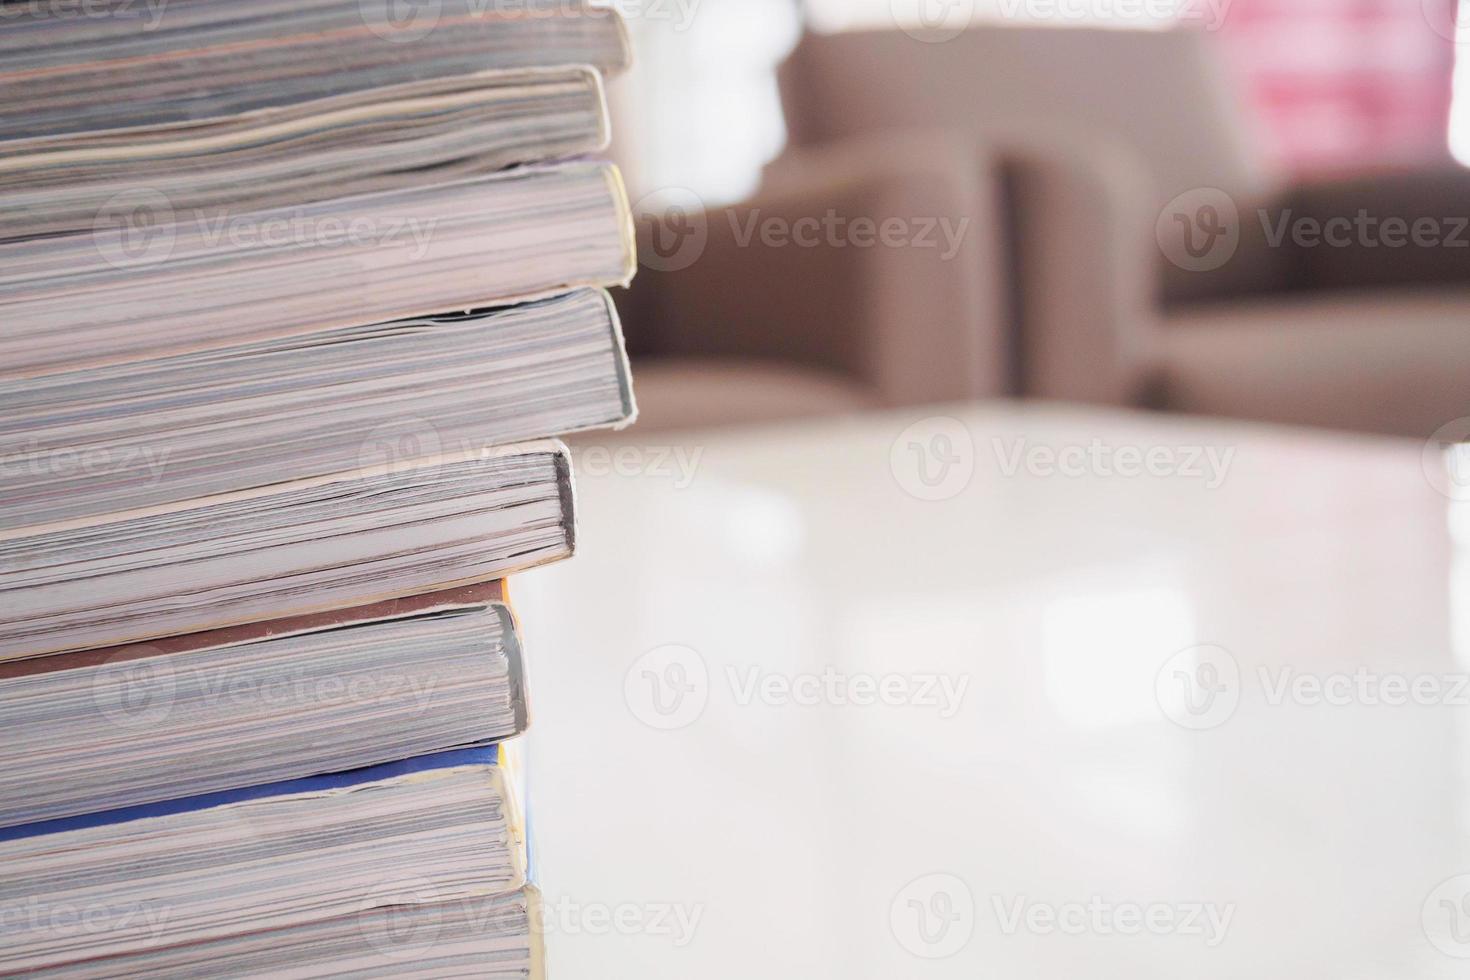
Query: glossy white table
point(792, 719)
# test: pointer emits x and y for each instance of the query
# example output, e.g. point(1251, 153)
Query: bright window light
point(1460, 108)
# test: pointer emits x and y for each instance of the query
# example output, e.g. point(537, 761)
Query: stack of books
point(293, 294)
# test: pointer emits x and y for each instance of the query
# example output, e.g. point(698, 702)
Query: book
point(497, 937)
point(283, 550)
point(267, 859)
point(295, 295)
point(150, 64)
point(190, 715)
point(361, 142)
point(85, 444)
point(157, 288)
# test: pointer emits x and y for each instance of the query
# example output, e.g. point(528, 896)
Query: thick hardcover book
point(235, 707)
point(282, 856)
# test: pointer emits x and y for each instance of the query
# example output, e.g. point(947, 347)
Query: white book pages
point(159, 286)
point(285, 550)
point(215, 170)
point(258, 865)
point(144, 726)
point(137, 63)
point(495, 937)
point(85, 444)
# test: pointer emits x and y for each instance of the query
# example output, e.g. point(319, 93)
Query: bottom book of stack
point(327, 795)
point(414, 868)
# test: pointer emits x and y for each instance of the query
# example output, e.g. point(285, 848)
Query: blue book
point(436, 830)
point(196, 715)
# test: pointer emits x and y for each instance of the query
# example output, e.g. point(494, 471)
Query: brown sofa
point(1108, 145)
point(774, 318)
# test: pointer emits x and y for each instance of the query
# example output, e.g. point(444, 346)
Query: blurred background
point(1230, 209)
point(1239, 208)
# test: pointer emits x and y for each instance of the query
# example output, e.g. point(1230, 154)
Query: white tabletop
point(793, 719)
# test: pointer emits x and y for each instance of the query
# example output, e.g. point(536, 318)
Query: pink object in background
point(1345, 85)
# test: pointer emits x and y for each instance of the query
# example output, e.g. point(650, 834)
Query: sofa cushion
point(1392, 362)
point(685, 393)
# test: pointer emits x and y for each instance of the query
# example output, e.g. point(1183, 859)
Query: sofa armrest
point(1392, 229)
point(1366, 232)
point(1249, 263)
point(875, 265)
point(1087, 269)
